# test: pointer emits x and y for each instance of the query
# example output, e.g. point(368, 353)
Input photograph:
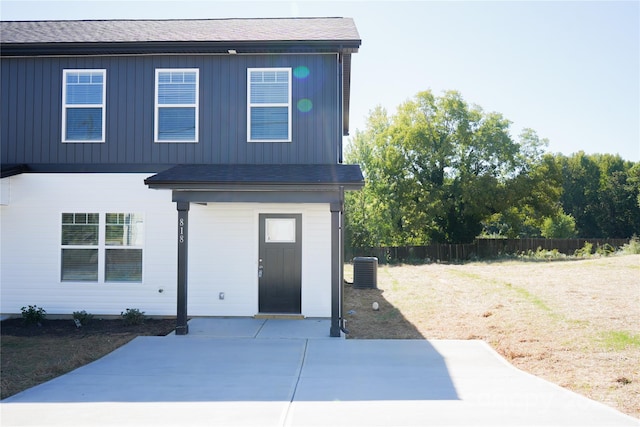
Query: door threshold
point(285, 316)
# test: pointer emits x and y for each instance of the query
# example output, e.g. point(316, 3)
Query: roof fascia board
point(113, 48)
point(330, 196)
point(253, 187)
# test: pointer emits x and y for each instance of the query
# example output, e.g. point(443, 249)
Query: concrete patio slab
point(265, 377)
point(243, 327)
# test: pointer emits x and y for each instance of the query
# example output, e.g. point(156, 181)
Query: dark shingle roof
point(203, 176)
point(193, 30)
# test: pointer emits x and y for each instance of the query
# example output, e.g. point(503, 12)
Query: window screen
point(176, 105)
point(124, 234)
point(79, 247)
point(83, 106)
point(95, 245)
point(269, 104)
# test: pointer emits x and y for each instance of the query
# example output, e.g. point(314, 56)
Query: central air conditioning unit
point(365, 272)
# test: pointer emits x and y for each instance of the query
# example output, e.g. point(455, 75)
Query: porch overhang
point(261, 184)
point(312, 183)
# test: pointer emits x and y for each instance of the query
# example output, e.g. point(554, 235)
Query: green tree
point(560, 226)
point(581, 183)
point(438, 168)
point(601, 191)
point(533, 192)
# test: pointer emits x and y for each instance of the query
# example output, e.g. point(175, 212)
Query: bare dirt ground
point(575, 323)
point(32, 354)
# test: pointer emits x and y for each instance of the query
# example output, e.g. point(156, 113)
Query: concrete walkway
point(252, 372)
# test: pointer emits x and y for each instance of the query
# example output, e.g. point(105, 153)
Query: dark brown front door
point(280, 263)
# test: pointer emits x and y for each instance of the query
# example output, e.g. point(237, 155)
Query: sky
point(568, 70)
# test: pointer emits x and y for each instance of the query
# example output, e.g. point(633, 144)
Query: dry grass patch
point(575, 323)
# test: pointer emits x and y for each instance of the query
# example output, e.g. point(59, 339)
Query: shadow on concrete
point(204, 369)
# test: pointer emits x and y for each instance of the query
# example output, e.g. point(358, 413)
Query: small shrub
point(605, 250)
point(83, 317)
point(542, 254)
point(585, 251)
point(132, 316)
point(33, 315)
point(633, 247)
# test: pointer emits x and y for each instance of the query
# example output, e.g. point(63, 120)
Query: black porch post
point(336, 294)
point(183, 232)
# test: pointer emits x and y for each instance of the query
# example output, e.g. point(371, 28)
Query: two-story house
point(180, 167)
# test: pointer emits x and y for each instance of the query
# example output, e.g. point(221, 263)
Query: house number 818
point(181, 226)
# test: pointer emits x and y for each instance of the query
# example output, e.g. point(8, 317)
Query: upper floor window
point(176, 105)
point(83, 105)
point(269, 104)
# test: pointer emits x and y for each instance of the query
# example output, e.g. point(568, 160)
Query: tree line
point(442, 171)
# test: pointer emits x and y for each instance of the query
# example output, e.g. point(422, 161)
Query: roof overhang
point(178, 48)
point(258, 178)
point(258, 183)
point(12, 170)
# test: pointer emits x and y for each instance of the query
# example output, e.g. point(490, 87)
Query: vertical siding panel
point(213, 114)
point(21, 115)
point(149, 149)
point(27, 106)
point(221, 136)
point(55, 125)
point(238, 122)
point(237, 138)
point(4, 109)
point(137, 124)
point(10, 84)
point(123, 78)
point(47, 110)
point(36, 117)
point(219, 109)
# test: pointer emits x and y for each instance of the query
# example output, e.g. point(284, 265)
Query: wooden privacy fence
point(480, 249)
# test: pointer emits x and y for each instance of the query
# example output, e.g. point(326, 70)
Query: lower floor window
point(80, 265)
point(123, 265)
point(101, 247)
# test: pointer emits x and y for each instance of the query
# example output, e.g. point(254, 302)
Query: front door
point(280, 263)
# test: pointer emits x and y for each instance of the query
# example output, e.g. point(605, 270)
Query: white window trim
point(95, 246)
point(157, 107)
point(65, 106)
point(102, 251)
point(250, 105)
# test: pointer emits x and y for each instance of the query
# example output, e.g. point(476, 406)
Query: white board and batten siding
point(223, 249)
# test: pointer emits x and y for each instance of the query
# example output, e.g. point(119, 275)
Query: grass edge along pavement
point(574, 323)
